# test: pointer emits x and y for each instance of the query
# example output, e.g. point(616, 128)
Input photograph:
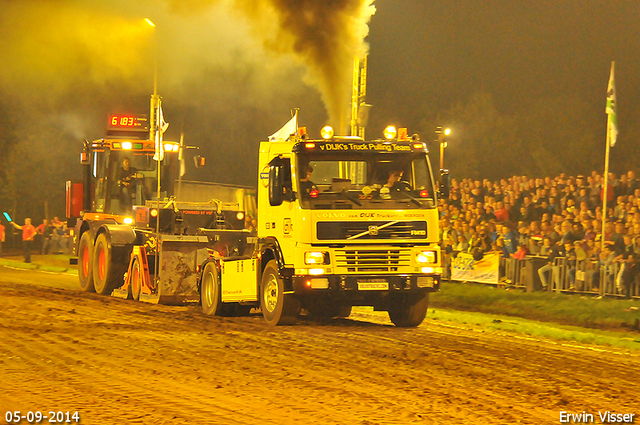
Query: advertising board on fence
point(486, 270)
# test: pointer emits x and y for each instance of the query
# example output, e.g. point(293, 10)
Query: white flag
point(287, 130)
point(612, 125)
point(161, 127)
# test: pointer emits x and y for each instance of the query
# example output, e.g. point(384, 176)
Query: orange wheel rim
point(85, 261)
point(102, 260)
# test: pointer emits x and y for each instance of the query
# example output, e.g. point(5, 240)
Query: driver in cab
point(394, 185)
point(125, 176)
point(306, 185)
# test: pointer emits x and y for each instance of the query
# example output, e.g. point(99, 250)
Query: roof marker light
point(326, 132)
point(390, 132)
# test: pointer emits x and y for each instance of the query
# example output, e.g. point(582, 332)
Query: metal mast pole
point(606, 183)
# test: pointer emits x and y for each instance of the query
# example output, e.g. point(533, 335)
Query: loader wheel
point(277, 307)
point(409, 310)
point(211, 293)
point(85, 263)
point(135, 283)
point(106, 275)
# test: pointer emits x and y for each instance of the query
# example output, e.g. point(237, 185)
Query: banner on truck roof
point(465, 268)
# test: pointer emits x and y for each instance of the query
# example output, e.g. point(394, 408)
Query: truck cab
point(124, 174)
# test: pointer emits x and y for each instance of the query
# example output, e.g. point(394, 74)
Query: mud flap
point(180, 257)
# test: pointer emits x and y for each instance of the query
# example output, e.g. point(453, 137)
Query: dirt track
point(118, 362)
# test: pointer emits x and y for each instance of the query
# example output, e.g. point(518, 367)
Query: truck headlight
point(316, 257)
point(426, 257)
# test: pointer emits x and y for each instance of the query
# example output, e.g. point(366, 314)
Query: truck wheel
point(85, 263)
point(106, 275)
point(277, 307)
point(135, 283)
point(409, 310)
point(211, 293)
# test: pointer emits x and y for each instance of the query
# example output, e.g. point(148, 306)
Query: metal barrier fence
point(586, 277)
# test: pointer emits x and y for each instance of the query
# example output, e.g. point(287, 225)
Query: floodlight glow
point(326, 132)
point(390, 132)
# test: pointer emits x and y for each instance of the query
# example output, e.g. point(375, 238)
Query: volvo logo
point(373, 230)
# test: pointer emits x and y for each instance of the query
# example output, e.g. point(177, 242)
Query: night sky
point(522, 84)
point(432, 54)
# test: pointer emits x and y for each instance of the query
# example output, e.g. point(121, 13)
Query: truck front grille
point(377, 261)
point(340, 230)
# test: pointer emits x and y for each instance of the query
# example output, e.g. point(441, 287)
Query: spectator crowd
point(50, 237)
point(552, 217)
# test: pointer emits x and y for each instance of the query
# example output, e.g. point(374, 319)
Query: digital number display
point(122, 121)
point(128, 122)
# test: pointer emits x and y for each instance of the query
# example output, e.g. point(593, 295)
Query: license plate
point(373, 285)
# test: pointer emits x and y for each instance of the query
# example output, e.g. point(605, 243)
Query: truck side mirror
point(445, 183)
point(275, 184)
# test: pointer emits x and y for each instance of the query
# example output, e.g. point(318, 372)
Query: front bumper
point(369, 284)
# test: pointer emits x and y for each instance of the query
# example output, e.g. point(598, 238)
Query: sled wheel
point(211, 293)
point(135, 283)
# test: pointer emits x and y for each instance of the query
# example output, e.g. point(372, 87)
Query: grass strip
point(535, 329)
point(587, 311)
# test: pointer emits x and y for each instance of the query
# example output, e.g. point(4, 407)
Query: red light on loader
point(314, 193)
point(424, 194)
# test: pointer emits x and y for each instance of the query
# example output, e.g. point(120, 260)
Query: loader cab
point(124, 174)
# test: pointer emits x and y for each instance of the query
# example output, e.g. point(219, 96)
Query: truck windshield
point(124, 178)
point(368, 180)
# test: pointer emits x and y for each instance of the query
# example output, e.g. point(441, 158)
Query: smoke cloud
point(229, 72)
point(325, 36)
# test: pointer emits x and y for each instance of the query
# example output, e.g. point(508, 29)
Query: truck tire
point(211, 293)
point(135, 282)
point(277, 307)
point(106, 274)
point(409, 310)
point(85, 263)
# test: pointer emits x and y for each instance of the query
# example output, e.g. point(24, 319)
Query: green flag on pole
point(612, 124)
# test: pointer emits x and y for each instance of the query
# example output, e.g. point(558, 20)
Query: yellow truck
point(341, 222)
